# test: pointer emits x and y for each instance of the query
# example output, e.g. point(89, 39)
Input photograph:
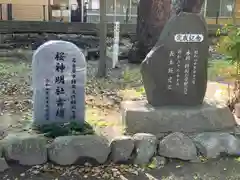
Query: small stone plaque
point(59, 76)
point(175, 71)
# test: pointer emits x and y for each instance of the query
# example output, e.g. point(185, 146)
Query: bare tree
point(152, 16)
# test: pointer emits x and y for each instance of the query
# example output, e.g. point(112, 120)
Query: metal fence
point(93, 17)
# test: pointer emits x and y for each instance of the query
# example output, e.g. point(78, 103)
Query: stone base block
point(139, 116)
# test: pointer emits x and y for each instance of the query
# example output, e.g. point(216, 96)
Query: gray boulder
point(27, 149)
point(177, 145)
point(145, 147)
point(68, 150)
point(121, 148)
point(212, 144)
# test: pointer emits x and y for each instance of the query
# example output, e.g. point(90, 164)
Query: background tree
point(152, 16)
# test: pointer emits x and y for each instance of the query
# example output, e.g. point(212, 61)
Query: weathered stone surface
point(59, 87)
point(212, 144)
point(27, 149)
point(68, 150)
point(3, 165)
point(177, 145)
point(175, 71)
point(121, 148)
point(139, 116)
point(145, 147)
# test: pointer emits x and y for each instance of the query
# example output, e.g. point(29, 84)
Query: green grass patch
point(220, 70)
point(67, 129)
point(10, 68)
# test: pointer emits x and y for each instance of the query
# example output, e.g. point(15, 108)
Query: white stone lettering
point(171, 62)
point(169, 87)
point(193, 38)
point(179, 56)
point(195, 61)
point(172, 54)
point(170, 80)
point(170, 70)
point(186, 72)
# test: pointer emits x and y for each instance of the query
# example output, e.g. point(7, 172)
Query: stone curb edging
point(28, 149)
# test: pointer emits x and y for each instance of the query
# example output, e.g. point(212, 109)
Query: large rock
point(68, 150)
point(139, 116)
point(175, 71)
point(27, 149)
point(145, 147)
point(121, 148)
point(179, 146)
point(212, 144)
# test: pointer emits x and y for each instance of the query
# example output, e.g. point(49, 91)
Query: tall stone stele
point(175, 79)
point(174, 72)
point(59, 77)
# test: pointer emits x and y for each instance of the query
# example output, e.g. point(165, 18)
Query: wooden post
point(1, 13)
point(128, 11)
point(103, 36)
point(44, 12)
point(234, 12)
point(115, 10)
point(115, 44)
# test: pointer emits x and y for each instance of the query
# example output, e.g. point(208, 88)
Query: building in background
point(125, 11)
point(215, 11)
point(27, 10)
point(221, 11)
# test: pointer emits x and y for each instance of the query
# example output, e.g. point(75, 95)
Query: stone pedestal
point(139, 116)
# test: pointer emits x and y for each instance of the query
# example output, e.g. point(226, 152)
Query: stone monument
point(174, 75)
point(175, 71)
point(59, 76)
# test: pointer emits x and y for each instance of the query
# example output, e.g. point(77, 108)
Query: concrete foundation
point(139, 116)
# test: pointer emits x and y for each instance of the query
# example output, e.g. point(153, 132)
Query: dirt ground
point(220, 169)
point(103, 97)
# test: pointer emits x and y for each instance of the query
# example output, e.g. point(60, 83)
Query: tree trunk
point(152, 16)
point(102, 69)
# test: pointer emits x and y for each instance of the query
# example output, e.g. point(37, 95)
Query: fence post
point(44, 12)
point(116, 44)
point(1, 16)
point(217, 16)
point(9, 12)
point(128, 11)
